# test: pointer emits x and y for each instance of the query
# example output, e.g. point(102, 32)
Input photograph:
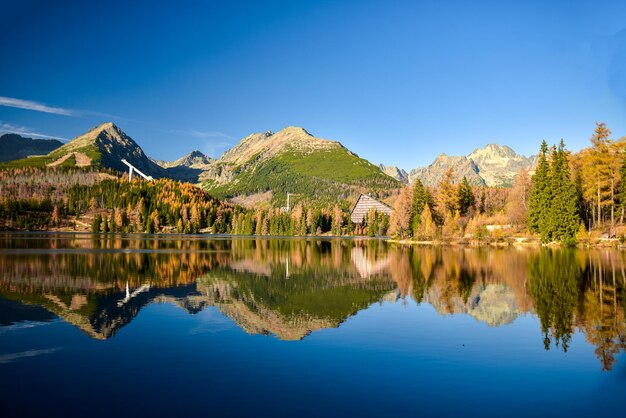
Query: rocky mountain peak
point(266, 145)
point(296, 131)
point(108, 145)
point(395, 172)
point(195, 159)
point(492, 165)
point(493, 151)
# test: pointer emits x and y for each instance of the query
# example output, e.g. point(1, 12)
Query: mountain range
point(493, 166)
point(292, 160)
point(266, 166)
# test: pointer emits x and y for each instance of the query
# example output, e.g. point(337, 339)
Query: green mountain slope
point(294, 161)
point(101, 147)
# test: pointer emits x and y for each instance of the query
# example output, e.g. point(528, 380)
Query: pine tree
point(419, 200)
point(563, 217)
point(465, 196)
point(539, 191)
point(105, 224)
point(95, 224)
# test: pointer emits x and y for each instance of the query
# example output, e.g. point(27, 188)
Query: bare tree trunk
point(598, 214)
point(612, 207)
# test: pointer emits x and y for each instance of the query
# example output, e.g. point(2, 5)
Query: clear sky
point(396, 82)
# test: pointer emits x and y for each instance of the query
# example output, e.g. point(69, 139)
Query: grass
point(322, 176)
point(41, 161)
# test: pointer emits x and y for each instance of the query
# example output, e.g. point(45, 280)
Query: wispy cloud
point(11, 357)
point(215, 149)
point(41, 107)
point(36, 106)
point(214, 143)
point(22, 130)
point(199, 134)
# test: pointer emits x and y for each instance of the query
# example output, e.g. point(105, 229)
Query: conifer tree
point(465, 196)
point(95, 224)
point(563, 220)
point(419, 200)
point(539, 191)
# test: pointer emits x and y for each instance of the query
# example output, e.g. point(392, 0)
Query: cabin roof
point(364, 204)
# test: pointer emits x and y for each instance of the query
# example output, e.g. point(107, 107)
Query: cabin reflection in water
point(290, 288)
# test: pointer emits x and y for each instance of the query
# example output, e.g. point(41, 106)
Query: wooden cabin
point(364, 204)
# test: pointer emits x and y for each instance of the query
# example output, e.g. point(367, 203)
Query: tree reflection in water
point(290, 288)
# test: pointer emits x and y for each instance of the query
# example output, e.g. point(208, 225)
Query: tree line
point(41, 198)
point(567, 197)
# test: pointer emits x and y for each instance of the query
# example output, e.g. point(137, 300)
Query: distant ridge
point(188, 167)
point(395, 172)
point(195, 159)
point(14, 146)
point(493, 165)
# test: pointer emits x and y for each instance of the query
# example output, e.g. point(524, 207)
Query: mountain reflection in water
point(291, 288)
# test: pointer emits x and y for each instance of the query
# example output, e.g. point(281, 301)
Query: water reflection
point(290, 288)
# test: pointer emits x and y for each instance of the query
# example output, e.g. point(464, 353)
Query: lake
point(240, 327)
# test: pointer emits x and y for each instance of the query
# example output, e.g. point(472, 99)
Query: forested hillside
point(88, 200)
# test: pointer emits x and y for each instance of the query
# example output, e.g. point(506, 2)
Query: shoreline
point(513, 242)
point(519, 242)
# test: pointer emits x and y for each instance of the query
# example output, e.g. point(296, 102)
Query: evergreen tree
point(539, 191)
point(95, 224)
point(419, 200)
point(563, 220)
point(465, 196)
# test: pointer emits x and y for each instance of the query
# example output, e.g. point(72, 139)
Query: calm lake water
point(175, 326)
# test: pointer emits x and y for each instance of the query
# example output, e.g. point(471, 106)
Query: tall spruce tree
point(559, 218)
point(566, 202)
point(465, 196)
point(538, 204)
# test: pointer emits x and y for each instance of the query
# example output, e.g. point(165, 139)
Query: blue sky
point(396, 82)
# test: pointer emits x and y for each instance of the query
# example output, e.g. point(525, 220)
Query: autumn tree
point(517, 204)
point(600, 171)
point(427, 228)
point(400, 222)
point(337, 220)
point(447, 196)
